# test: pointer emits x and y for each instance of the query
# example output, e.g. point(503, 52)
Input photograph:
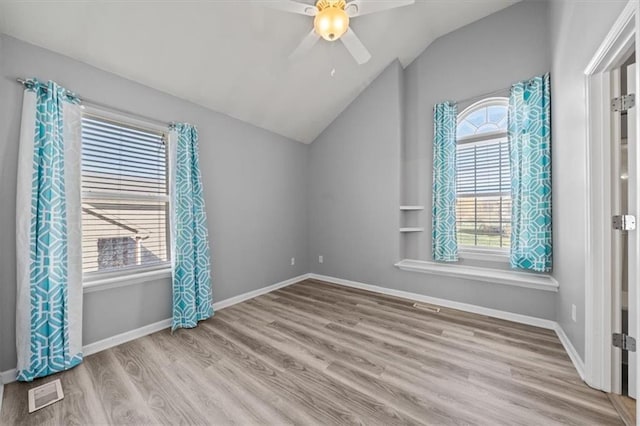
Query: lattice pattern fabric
point(530, 150)
point(192, 293)
point(48, 342)
point(444, 238)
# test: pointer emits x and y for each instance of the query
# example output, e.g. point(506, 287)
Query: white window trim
point(122, 278)
point(125, 118)
point(490, 101)
point(99, 281)
point(530, 280)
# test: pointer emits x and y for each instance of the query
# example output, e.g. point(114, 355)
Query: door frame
point(615, 48)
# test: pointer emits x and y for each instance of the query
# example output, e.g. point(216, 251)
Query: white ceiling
point(232, 56)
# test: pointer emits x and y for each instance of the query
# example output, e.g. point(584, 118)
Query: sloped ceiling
point(232, 56)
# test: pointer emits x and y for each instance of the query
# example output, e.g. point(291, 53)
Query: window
point(125, 199)
point(483, 182)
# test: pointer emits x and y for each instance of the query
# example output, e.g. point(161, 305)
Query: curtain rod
point(109, 108)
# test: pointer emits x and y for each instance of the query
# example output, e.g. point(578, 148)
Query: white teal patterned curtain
point(444, 236)
point(192, 294)
point(530, 150)
point(48, 234)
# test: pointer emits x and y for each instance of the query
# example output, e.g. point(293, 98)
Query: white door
point(633, 208)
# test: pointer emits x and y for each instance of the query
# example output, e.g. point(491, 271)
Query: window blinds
point(125, 196)
point(483, 187)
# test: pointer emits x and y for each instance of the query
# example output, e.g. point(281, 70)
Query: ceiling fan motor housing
point(331, 21)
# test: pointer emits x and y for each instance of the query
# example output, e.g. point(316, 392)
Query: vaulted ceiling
point(233, 56)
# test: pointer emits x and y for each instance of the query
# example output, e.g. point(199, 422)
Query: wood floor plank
point(81, 407)
point(626, 407)
point(210, 399)
point(326, 346)
point(154, 386)
point(428, 407)
point(312, 356)
point(332, 314)
point(214, 398)
point(243, 405)
point(365, 346)
point(309, 400)
point(316, 353)
point(121, 402)
point(408, 328)
point(455, 316)
point(342, 395)
point(359, 342)
point(445, 319)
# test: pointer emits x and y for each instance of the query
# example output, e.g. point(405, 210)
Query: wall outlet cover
point(573, 313)
point(320, 259)
point(293, 261)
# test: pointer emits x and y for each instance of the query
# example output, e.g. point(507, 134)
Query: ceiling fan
point(331, 22)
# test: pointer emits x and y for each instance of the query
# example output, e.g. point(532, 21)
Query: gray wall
point(354, 179)
point(360, 170)
point(572, 47)
point(483, 57)
point(254, 183)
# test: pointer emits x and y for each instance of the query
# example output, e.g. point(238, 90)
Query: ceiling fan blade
point(306, 44)
point(355, 47)
point(292, 6)
point(364, 7)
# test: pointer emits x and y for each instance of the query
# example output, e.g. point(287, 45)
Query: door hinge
point(624, 342)
point(623, 103)
point(624, 222)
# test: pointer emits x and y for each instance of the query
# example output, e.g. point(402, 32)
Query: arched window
point(486, 117)
point(483, 179)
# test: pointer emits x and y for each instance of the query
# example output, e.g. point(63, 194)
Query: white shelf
point(411, 229)
point(407, 208)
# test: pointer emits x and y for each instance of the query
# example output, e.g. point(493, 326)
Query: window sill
point(133, 278)
point(495, 276)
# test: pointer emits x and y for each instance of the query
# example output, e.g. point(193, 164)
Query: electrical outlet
point(293, 261)
point(573, 313)
point(320, 259)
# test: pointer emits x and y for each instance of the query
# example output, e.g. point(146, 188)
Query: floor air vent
point(45, 395)
point(424, 307)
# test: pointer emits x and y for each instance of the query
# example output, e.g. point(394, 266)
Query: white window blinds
point(483, 181)
point(484, 194)
point(125, 200)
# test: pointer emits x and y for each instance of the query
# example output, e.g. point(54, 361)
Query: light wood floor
point(316, 353)
point(626, 408)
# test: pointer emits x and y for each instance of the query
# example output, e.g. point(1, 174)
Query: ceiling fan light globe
point(331, 23)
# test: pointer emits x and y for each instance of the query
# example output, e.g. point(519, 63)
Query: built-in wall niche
point(410, 219)
point(411, 229)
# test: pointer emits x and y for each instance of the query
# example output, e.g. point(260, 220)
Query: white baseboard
point(259, 292)
point(494, 313)
point(571, 351)
point(9, 376)
point(125, 337)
